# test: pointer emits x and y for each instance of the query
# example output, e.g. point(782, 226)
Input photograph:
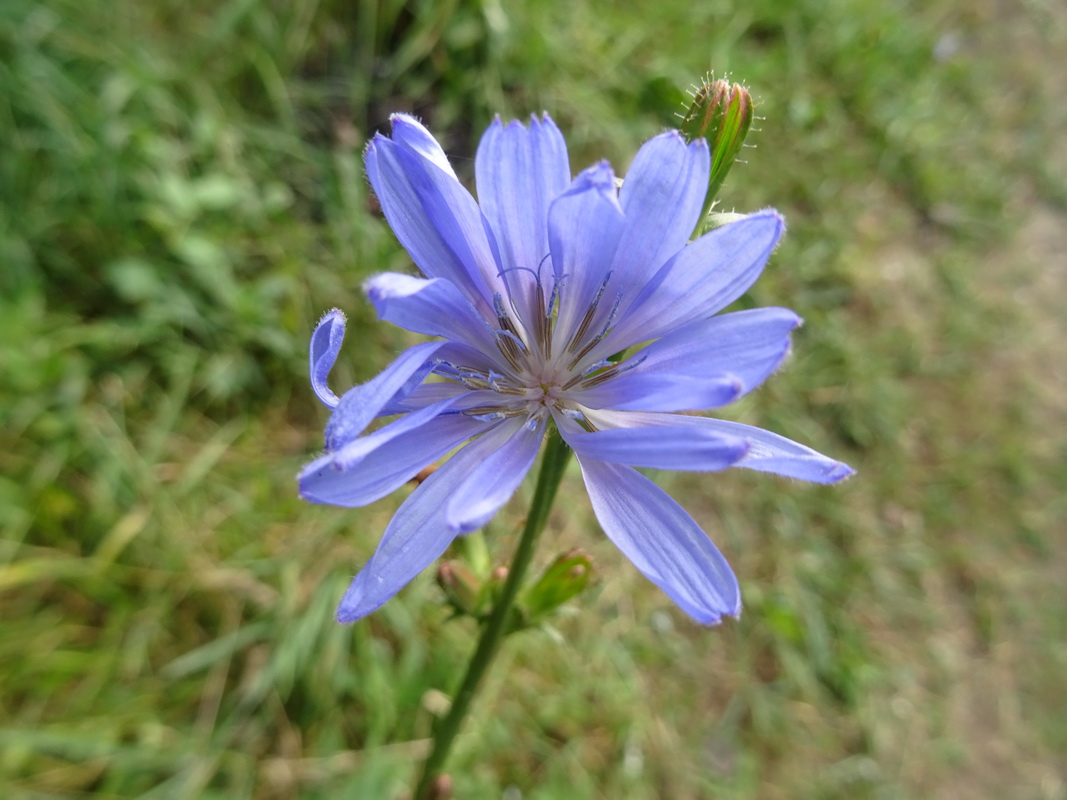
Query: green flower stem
point(553, 465)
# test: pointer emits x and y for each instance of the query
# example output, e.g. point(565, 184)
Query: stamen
point(582, 328)
point(553, 300)
point(581, 376)
point(506, 336)
point(502, 272)
point(453, 372)
point(613, 371)
point(484, 413)
point(474, 382)
point(493, 412)
point(542, 326)
point(502, 318)
point(611, 315)
point(584, 352)
point(540, 264)
point(587, 320)
point(600, 336)
point(510, 346)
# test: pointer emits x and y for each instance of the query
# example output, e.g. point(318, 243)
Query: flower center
point(543, 368)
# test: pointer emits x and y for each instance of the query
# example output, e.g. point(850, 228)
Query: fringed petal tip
point(389, 284)
point(325, 345)
point(533, 121)
point(773, 214)
point(839, 473)
point(675, 135)
point(662, 541)
point(713, 619)
point(351, 610)
point(598, 178)
point(767, 225)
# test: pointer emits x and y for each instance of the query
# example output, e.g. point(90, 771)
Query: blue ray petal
point(662, 541)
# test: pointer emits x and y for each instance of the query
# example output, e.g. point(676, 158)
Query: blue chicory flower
point(530, 291)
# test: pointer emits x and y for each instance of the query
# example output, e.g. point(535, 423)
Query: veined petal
point(519, 172)
point(705, 277)
point(432, 306)
point(435, 219)
point(417, 535)
point(383, 470)
point(662, 390)
point(662, 541)
point(584, 225)
point(325, 345)
point(659, 447)
point(747, 344)
point(492, 482)
point(767, 452)
point(425, 394)
point(461, 354)
point(662, 197)
point(355, 451)
point(361, 404)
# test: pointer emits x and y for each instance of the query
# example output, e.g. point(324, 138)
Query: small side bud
point(721, 113)
point(461, 587)
point(562, 580)
point(441, 788)
point(494, 585)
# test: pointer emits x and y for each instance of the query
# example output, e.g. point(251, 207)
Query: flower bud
point(563, 579)
point(721, 113)
point(461, 587)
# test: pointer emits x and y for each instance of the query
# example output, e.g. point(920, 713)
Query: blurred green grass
point(181, 194)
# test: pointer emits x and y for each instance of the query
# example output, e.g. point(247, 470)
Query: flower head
point(530, 292)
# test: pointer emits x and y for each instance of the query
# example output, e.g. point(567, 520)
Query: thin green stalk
point(553, 465)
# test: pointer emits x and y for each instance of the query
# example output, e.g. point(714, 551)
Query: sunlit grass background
point(181, 194)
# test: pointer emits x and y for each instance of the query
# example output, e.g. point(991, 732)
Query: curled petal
point(325, 345)
point(659, 447)
point(662, 541)
point(361, 404)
